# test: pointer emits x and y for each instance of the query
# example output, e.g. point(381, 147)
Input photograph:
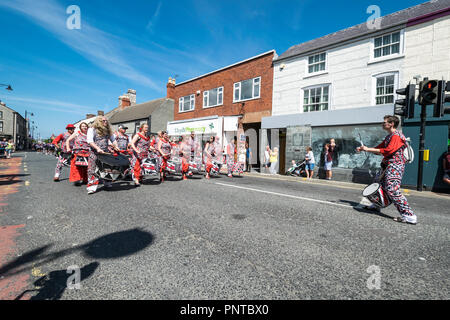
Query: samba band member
point(123, 140)
point(99, 137)
point(164, 148)
point(393, 164)
point(140, 145)
point(231, 151)
point(78, 174)
point(62, 139)
point(209, 155)
point(186, 156)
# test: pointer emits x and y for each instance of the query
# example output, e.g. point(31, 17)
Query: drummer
point(123, 140)
point(164, 148)
point(99, 138)
point(140, 145)
point(78, 174)
point(61, 139)
point(393, 165)
point(209, 152)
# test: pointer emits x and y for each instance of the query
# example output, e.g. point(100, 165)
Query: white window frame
point(374, 86)
point(206, 95)
point(191, 103)
point(315, 87)
point(308, 74)
point(1, 127)
point(238, 87)
point(400, 54)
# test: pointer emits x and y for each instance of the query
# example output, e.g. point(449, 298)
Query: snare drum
point(377, 195)
point(81, 159)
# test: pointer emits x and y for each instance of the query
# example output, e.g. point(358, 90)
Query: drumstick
point(362, 144)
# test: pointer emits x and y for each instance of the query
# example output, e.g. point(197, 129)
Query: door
point(298, 138)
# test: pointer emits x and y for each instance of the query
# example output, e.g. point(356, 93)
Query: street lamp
point(8, 86)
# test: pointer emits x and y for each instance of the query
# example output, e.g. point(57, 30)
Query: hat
point(123, 127)
point(70, 126)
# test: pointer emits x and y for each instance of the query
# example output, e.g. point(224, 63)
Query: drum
point(150, 166)
point(112, 167)
point(66, 158)
point(81, 159)
point(377, 195)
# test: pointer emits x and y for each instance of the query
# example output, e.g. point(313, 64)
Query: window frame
point(191, 103)
point(321, 96)
point(374, 87)
point(240, 90)
point(206, 94)
point(1, 126)
point(401, 51)
point(309, 74)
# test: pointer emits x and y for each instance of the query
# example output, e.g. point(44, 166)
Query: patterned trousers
point(391, 183)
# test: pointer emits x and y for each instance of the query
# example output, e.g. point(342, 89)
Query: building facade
point(340, 86)
point(13, 126)
point(227, 102)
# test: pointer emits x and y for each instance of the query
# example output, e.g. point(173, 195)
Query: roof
point(140, 111)
point(231, 65)
point(396, 19)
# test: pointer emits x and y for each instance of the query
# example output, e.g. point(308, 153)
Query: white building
point(341, 85)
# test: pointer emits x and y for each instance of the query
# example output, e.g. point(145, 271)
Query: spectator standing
point(9, 148)
point(446, 166)
point(273, 160)
point(267, 158)
point(310, 163)
point(248, 153)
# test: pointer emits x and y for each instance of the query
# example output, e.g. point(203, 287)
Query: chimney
point(90, 115)
point(124, 102)
point(100, 113)
point(132, 96)
point(171, 88)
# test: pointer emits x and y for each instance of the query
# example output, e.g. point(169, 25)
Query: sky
point(60, 74)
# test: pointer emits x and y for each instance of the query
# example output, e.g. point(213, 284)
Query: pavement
point(253, 237)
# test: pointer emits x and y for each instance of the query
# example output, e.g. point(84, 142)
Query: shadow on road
point(110, 246)
point(53, 285)
point(362, 210)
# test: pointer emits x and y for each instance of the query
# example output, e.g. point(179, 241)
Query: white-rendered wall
point(351, 73)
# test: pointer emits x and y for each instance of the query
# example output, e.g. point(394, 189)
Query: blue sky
point(61, 74)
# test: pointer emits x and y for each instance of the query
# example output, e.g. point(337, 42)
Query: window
point(387, 45)
point(247, 89)
point(187, 103)
point(317, 63)
point(213, 97)
point(385, 87)
point(316, 99)
point(1, 114)
point(1, 126)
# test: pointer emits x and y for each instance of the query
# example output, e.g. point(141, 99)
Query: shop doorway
point(282, 152)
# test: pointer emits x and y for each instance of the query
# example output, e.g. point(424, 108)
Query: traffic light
point(428, 92)
point(405, 107)
point(442, 98)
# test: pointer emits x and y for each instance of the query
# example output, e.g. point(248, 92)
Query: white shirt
point(90, 136)
point(310, 155)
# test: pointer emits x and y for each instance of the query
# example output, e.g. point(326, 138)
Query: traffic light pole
point(423, 119)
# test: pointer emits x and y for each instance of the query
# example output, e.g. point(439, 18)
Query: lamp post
point(27, 126)
point(8, 86)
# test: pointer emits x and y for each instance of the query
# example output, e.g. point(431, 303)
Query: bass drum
point(112, 167)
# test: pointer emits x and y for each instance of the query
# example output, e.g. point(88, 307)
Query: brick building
point(227, 102)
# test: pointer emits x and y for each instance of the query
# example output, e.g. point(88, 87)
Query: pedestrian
point(310, 163)
point(393, 165)
point(446, 166)
point(267, 158)
point(273, 160)
point(9, 148)
point(330, 152)
point(248, 153)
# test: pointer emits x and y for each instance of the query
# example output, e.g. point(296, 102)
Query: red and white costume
point(142, 145)
point(80, 146)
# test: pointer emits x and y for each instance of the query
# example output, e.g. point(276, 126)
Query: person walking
point(273, 160)
point(310, 163)
point(141, 147)
point(61, 139)
point(78, 174)
point(248, 157)
point(393, 165)
point(9, 148)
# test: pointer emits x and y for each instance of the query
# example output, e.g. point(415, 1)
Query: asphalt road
point(241, 238)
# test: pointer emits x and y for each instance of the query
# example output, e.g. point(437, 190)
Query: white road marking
point(285, 195)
